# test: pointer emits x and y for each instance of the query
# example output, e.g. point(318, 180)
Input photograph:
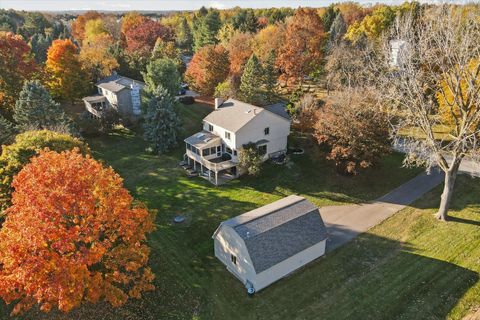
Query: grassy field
point(409, 267)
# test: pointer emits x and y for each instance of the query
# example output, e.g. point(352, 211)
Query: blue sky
point(55, 5)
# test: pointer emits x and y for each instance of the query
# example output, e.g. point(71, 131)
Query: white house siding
point(111, 97)
point(219, 131)
point(287, 266)
point(253, 131)
point(227, 242)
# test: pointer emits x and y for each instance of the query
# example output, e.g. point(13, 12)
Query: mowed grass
point(409, 267)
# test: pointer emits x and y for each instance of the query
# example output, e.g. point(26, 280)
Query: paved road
point(346, 222)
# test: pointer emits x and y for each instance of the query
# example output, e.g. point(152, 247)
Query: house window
point(189, 147)
point(210, 128)
point(266, 131)
point(212, 150)
point(235, 152)
point(229, 150)
point(227, 135)
point(206, 152)
point(219, 149)
point(233, 259)
point(262, 150)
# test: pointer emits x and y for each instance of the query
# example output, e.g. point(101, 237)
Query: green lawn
point(409, 267)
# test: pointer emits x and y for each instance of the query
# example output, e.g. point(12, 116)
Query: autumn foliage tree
point(239, 49)
point(66, 80)
point(72, 236)
point(16, 66)
point(96, 57)
point(301, 53)
point(78, 26)
point(354, 130)
point(209, 66)
point(141, 37)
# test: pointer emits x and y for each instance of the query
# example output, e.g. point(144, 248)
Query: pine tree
point(161, 121)
point(270, 77)
point(206, 28)
point(7, 132)
point(251, 82)
point(36, 110)
point(162, 72)
point(337, 30)
point(184, 36)
point(40, 45)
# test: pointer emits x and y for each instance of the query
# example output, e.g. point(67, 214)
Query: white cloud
point(216, 5)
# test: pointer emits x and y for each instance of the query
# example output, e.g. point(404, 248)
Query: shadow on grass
point(369, 278)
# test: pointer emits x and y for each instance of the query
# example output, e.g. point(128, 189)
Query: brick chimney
point(218, 103)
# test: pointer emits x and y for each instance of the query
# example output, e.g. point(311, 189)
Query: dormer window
point(227, 135)
point(266, 131)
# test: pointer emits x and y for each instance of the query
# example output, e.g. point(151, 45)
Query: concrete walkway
point(346, 222)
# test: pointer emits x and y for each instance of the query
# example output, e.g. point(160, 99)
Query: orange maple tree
point(209, 66)
point(239, 49)
point(66, 79)
point(72, 235)
point(302, 50)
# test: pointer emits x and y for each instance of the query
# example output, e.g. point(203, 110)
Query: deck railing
point(213, 166)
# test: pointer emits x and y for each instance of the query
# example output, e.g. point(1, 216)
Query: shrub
point(15, 156)
point(187, 100)
point(250, 159)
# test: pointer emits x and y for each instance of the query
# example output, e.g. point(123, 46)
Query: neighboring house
point(266, 244)
point(215, 150)
point(117, 92)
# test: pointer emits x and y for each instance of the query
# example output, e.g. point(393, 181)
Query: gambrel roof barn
point(266, 244)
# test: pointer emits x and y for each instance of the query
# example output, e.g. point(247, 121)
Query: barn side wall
point(287, 266)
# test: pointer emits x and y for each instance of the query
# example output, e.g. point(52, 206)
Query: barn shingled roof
point(279, 230)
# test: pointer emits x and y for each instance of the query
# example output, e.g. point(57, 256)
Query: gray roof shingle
point(232, 115)
point(116, 82)
point(279, 109)
point(279, 230)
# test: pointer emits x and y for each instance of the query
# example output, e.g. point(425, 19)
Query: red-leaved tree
point(71, 236)
point(209, 66)
point(16, 66)
point(141, 38)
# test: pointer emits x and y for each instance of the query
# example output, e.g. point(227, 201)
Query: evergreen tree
point(329, 16)
point(251, 82)
point(7, 131)
point(162, 72)
point(184, 36)
point(206, 28)
point(245, 21)
point(40, 44)
point(161, 121)
point(337, 30)
point(270, 77)
point(36, 110)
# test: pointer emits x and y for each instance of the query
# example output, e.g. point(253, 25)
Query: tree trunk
point(450, 177)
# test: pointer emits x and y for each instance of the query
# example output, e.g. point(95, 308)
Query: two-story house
point(117, 92)
point(215, 150)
